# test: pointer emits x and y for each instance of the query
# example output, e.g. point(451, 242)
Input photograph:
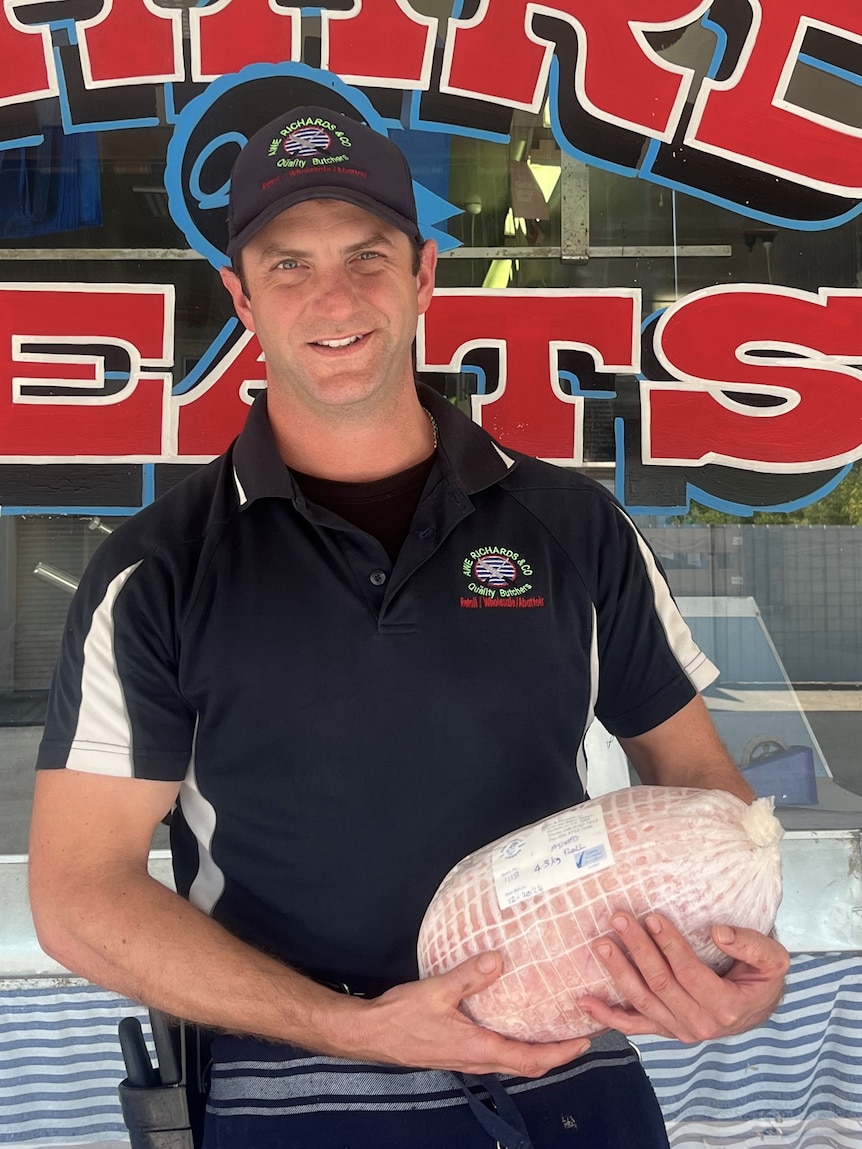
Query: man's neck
point(352, 445)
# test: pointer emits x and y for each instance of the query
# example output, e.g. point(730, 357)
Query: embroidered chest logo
point(498, 577)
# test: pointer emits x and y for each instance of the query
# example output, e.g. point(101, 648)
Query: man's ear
point(425, 275)
point(241, 303)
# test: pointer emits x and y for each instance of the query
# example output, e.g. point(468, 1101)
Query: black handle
point(169, 1072)
point(139, 1069)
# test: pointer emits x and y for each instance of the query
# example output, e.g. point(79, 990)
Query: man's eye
point(367, 255)
point(287, 264)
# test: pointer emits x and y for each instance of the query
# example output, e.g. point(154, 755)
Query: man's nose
point(335, 292)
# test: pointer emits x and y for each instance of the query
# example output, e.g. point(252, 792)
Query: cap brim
point(345, 195)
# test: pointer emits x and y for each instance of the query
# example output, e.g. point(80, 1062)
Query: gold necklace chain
point(433, 426)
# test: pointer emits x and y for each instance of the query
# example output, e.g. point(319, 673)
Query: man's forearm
point(98, 911)
point(131, 934)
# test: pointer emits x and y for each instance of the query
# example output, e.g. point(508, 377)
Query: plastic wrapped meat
point(542, 896)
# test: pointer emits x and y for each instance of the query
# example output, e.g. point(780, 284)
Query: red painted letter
point(529, 411)
point(28, 61)
point(497, 56)
point(131, 40)
point(121, 423)
point(210, 415)
point(382, 43)
point(748, 118)
point(709, 342)
point(230, 34)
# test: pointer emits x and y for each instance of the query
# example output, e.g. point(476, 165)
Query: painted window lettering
point(605, 323)
point(60, 400)
point(814, 423)
point(715, 347)
point(745, 137)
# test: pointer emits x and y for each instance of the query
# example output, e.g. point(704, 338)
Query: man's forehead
point(325, 215)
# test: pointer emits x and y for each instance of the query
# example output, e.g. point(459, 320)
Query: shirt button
point(378, 578)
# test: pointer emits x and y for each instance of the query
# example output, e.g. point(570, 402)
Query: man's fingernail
point(653, 924)
point(604, 951)
point(725, 935)
point(487, 963)
point(620, 924)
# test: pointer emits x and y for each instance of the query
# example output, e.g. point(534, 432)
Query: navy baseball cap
point(314, 153)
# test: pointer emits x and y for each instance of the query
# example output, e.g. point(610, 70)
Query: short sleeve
point(115, 705)
point(649, 664)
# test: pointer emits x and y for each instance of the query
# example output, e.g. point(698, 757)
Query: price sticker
point(565, 848)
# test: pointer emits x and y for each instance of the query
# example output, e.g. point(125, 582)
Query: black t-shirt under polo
point(344, 727)
point(383, 508)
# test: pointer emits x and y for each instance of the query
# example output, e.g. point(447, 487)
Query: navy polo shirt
point(344, 729)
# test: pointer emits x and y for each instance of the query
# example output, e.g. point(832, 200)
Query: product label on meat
point(554, 853)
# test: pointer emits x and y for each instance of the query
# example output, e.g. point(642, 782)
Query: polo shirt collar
point(258, 469)
point(466, 454)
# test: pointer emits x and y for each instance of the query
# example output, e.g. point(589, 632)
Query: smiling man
point(332, 295)
point(279, 650)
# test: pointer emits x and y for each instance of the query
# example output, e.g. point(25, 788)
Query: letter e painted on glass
point(79, 371)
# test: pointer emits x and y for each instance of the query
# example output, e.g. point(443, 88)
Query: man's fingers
point(755, 949)
point(656, 1002)
point(669, 991)
point(664, 959)
point(420, 1023)
point(627, 1021)
point(471, 976)
point(524, 1060)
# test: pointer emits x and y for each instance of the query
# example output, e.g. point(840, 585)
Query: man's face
point(334, 301)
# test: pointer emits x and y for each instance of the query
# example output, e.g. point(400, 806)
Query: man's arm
point(99, 913)
point(686, 751)
point(671, 992)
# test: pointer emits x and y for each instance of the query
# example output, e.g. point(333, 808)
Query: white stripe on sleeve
point(691, 658)
point(103, 737)
point(200, 816)
point(582, 760)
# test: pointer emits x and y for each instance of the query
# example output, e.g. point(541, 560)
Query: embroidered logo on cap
point(498, 577)
point(307, 142)
point(310, 143)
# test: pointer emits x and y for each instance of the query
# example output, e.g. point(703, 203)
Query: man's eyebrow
point(278, 251)
point(375, 240)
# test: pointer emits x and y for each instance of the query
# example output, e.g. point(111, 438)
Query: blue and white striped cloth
point(795, 1082)
point(805, 1060)
point(60, 1064)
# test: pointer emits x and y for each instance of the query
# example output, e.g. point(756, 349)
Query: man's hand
point(421, 1024)
point(673, 994)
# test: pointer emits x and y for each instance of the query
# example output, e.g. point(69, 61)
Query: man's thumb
point(477, 972)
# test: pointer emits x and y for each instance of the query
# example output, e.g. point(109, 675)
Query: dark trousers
point(274, 1097)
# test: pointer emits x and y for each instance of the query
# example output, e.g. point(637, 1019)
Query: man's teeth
point(339, 342)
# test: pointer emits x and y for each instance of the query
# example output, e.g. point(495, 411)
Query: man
point(306, 650)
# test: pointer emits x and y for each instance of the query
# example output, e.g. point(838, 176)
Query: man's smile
point(342, 344)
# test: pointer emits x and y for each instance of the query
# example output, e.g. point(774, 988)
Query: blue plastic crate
point(787, 774)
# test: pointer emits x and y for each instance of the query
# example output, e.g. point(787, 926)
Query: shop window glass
point(773, 594)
